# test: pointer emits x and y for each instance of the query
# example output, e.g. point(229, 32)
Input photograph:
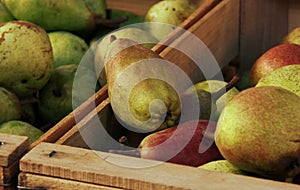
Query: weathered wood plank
point(51, 183)
point(133, 173)
point(12, 147)
point(263, 24)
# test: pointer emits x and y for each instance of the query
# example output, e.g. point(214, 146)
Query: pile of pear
point(42, 43)
point(41, 46)
point(258, 130)
point(253, 130)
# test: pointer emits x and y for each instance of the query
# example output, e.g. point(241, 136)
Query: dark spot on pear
point(24, 81)
point(56, 92)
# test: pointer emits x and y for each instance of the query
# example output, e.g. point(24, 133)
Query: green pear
point(222, 166)
point(138, 35)
point(26, 57)
point(213, 86)
point(10, 106)
point(68, 15)
point(170, 13)
point(206, 105)
point(21, 128)
point(149, 105)
point(58, 98)
point(5, 15)
point(287, 77)
point(68, 48)
point(258, 132)
point(292, 37)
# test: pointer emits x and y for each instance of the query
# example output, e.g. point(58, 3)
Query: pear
point(212, 86)
point(206, 105)
point(21, 128)
point(181, 144)
point(26, 57)
point(5, 15)
point(293, 37)
point(138, 35)
point(212, 96)
point(258, 132)
point(67, 47)
point(67, 15)
point(10, 106)
point(152, 103)
point(222, 166)
point(287, 77)
point(275, 57)
point(57, 98)
point(168, 14)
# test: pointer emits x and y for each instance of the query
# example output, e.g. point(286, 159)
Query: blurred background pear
point(67, 47)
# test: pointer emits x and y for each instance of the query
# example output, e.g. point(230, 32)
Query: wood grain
point(133, 6)
point(50, 183)
point(73, 137)
point(263, 24)
point(294, 14)
point(133, 173)
point(12, 148)
point(219, 32)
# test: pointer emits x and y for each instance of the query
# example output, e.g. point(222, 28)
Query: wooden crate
point(225, 26)
point(12, 148)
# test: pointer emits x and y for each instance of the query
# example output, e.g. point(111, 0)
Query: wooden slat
point(218, 30)
point(133, 6)
point(50, 183)
point(69, 121)
point(133, 173)
point(294, 14)
point(7, 174)
point(12, 147)
point(73, 137)
point(204, 7)
point(89, 133)
point(263, 24)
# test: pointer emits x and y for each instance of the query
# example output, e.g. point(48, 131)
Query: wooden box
point(65, 159)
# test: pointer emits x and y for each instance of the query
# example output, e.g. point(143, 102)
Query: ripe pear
point(222, 166)
point(293, 37)
point(180, 144)
point(275, 57)
point(21, 128)
point(168, 14)
point(150, 104)
point(26, 57)
point(67, 47)
point(10, 106)
point(213, 86)
point(287, 77)
point(258, 132)
point(67, 15)
point(5, 15)
point(138, 35)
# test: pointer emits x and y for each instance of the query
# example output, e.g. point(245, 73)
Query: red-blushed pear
point(165, 145)
point(258, 132)
point(277, 56)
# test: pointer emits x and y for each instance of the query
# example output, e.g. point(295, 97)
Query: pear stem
point(216, 95)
